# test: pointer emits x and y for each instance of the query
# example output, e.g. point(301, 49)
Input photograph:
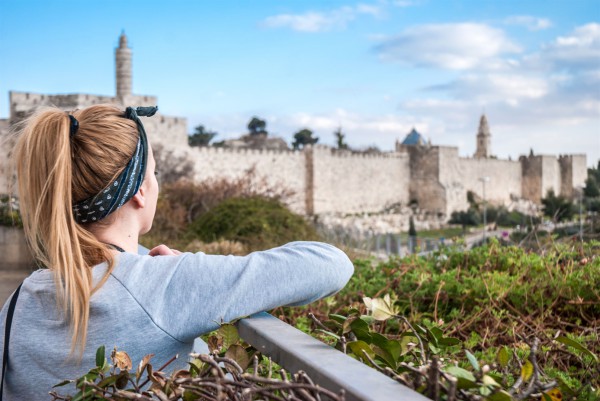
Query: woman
point(87, 191)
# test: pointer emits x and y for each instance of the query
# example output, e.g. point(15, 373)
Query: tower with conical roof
point(123, 68)
point(484, 138)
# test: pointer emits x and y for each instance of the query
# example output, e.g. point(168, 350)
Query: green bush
point(9, 216)
point(257, 222)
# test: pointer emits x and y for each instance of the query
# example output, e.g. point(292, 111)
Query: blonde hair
point(54, 172)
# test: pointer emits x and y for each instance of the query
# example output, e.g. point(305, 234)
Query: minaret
point(123, 64)
point(483, 138)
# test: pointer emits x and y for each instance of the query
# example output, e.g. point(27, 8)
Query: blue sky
point(374, 67)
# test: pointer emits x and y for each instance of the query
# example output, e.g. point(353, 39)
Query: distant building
point(256, 141)
point(413, 138)
point(484, 139)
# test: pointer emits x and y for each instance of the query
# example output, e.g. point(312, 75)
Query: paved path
point(9, 281)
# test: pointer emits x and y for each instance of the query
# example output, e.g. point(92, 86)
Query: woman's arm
point(190, 294)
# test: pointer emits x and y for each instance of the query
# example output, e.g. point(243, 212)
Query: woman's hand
point(162, 249)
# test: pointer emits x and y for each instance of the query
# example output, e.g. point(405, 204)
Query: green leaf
point(238, 354)
point(83, 395)
point(347, 324)
point(189, 396)
point(449, 341)
point(107, 381)
point(489, 381)
point(460, 373)
point(100, 356)
point(433, 348)
point(503, 357)
point(62, 383)
point(437, 333)
point(338, 318)
point(574, 344)
point(357, 348)
point(353, 311)
point(329, 333)
point(229, 334)
point(472, 360)
point(499, 396)
point(384, 356)
point(408, 342)
point(485, 391)
point(526, 371)
point(196, 366)
point(360, 328)
point(465, 379)
point(393, 347)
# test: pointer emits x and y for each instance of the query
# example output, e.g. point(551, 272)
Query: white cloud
point(497, 87)
point(450, 46)
point(529, 22)
point(581, 48)
point(362, 130)
point(321, 21)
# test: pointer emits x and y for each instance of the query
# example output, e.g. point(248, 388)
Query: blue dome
point(414, 138)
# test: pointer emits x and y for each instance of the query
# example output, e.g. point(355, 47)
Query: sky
point(375, 68)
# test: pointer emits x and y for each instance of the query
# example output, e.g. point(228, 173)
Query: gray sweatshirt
point(159, 305)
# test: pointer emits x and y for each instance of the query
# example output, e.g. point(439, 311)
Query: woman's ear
point(139, 199)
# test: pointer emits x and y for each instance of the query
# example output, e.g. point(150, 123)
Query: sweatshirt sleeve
point(190, 294)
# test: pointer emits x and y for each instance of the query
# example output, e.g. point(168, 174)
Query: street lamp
point(580, 193)
point(483, 181)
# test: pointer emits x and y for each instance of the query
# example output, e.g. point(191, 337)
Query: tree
point(412, 231)
point(591, 189)
point(339, 137)
point(471, 199)
point(592, 184)
point(558, 208)
point(256, 126)
point(466, 218)
point(201, 137)
point(304, 137)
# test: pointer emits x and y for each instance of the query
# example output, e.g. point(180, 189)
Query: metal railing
point(326, 366)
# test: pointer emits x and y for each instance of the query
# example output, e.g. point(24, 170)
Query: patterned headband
point(126, 184)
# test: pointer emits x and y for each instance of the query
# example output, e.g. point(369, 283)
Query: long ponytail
point(54, 171)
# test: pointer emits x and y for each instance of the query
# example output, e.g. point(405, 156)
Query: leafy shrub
point(182, 202)
point(9, 213)
point(256, 222)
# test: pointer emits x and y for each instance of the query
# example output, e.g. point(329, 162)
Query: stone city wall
point(281, 170)
point(580, 173)
point(14, 250)
point(5, 147)
point(505, 179)
point(351, 182)
point(23, 103)
point(425, 188)
point(458, 175)
point(550, 175)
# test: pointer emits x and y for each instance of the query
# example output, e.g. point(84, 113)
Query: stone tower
point(483, 138)
point(123, 68)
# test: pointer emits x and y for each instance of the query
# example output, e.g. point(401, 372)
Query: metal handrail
point(326, 366)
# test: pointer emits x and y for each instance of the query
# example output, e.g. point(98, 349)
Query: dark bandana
point(127, 183)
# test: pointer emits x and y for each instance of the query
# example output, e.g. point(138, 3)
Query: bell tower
point(123, 68)
point(484, 138)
